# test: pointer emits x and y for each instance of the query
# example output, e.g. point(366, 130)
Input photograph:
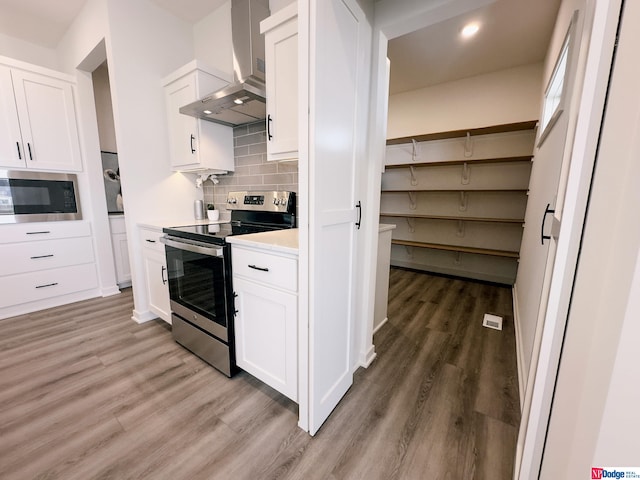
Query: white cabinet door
point(281, 58)
point(183, 130)
point(121, 257)
point(155, 267)
point(196, 144)
point(11, 149)
point(267, 335)
point(47, 119)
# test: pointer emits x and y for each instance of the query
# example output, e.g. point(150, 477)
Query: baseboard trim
point(519, 349)
point(368, 357)
point(107, 292)
point(142, 317)
point(386, 319)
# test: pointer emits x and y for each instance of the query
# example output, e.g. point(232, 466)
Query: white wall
point(275, 5)
point(142, 44)
point(28, 52)
point(506, 96)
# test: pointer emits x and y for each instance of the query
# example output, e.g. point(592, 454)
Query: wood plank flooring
point(85, 393)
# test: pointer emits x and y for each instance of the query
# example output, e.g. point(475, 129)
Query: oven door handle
point(190, 247)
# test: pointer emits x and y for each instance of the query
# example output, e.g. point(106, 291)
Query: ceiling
point(512, 33)
point(44, 22)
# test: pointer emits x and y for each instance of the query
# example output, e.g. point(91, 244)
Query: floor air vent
point(492, 321)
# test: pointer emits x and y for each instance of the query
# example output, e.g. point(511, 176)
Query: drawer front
point(34, 256)
point(270, 269)
point(151, 239)
point(27, 232)
point(29, 287)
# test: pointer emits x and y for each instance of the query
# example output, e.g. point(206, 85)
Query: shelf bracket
point(412, 224)
point(409, 250)
point(468, 146)
point(460, 231)
point(415, 155)
point(458, 258)
point(464, 201)
point(466, 174)
point(413, 200)
point(414, 179)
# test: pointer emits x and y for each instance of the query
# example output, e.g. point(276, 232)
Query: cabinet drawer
point(29, 287)
point(151, 239)
point(27, 232)
point(33, 256)
point(270, 269)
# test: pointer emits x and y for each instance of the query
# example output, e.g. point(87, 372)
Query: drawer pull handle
point(150, 241)
point(47, 285)
point(262, 269)
point(38, 233)
point(41, 256)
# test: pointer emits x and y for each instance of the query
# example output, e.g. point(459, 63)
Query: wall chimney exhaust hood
point(243, 101)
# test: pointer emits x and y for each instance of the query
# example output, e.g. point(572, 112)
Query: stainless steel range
point(199, 272)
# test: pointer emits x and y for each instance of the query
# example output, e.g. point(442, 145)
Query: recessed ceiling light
point(207, 112)
point(238, 101)
point(470, 30)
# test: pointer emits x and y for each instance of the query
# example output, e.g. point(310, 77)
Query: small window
point(554, 96)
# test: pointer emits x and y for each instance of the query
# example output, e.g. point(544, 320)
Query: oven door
point(197, 284)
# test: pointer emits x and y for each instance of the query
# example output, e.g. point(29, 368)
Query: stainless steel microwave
point(38, 197)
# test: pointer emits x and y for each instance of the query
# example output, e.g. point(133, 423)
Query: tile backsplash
point(253, 171)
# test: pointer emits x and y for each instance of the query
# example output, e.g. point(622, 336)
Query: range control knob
point(276, 201)
point(283, 201)
point(232, 200)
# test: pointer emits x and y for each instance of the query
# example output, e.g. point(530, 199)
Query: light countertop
point(285, 241)
point(159, 224)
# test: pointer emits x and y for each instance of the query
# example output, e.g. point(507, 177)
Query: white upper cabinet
point(281, 58)
point(37, 122)
point(196, 144)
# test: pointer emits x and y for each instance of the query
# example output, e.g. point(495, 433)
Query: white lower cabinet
point(120, 250)
point(266, 323)
point(44, 265)
point(155, 270)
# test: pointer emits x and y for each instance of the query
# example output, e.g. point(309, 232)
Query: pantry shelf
point(456, 248)
point(453, 217)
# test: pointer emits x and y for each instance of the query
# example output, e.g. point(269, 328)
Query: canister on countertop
point(198, 210)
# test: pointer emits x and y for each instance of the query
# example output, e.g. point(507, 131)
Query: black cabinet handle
point(41, 256)
point(262, 269)
point(38, 233)
point(269, 120)
point(359, 207)
point(193, 150)
point(164, 280)
point(19, 153)
point(544, 237)
point(29, 147)
point(150, 241)
point(47, 285)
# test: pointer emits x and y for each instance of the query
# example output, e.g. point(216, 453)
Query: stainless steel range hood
point(244, 100)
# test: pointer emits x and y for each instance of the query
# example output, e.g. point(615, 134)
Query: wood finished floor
point(85, 393)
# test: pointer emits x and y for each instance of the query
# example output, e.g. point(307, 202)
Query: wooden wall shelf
point(504, 128)
point(456, 248)
point(456, 218)
point(469, 161)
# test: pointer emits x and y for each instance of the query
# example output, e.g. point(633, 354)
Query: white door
point(572, 140)
point(338, 31)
